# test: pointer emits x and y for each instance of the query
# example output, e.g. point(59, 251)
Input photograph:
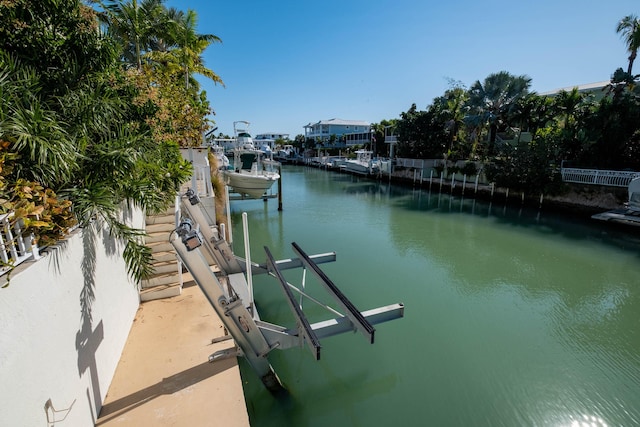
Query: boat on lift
point(252, 174)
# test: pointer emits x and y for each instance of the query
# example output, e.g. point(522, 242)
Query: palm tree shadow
point(88, 339)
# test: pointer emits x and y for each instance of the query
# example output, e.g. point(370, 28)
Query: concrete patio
point(164, 377)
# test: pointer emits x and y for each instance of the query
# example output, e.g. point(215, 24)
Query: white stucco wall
point(64, 321)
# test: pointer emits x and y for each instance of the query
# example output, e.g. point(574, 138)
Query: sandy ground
point(164, 377)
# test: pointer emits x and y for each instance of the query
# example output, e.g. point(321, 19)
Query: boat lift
point(230, 293)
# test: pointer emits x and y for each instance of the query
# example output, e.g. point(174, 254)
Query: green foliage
point(76, 136)
point(40, 210)
point(530, 168)
point(57, 38)
point(421, 134)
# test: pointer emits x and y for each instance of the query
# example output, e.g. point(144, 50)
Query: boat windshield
point(247, 160)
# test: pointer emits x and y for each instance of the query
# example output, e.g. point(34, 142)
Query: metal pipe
point(247, 255)
point(228, 215)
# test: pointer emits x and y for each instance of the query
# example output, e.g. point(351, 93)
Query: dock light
point(193, 197)
point(190, 236)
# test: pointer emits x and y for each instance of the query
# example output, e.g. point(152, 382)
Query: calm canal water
point(512, 317)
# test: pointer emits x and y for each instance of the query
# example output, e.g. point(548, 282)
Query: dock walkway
point(164, 377)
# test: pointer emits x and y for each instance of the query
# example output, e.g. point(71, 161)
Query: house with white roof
point(350, 132)
point(598, 89)
point(272, 136)
point(263, 140)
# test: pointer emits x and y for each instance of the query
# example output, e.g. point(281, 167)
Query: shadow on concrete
point(167, 386)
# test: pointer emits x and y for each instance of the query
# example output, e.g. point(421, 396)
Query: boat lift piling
point(231, 295)
point(280, 188)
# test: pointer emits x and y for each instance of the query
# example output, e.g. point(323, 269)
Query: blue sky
point(288, 63)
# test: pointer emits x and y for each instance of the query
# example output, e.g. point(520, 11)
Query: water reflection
point(514, 316)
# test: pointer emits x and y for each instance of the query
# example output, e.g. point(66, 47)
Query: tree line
point(522, 137)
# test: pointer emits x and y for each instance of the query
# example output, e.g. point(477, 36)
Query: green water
point(512, 317)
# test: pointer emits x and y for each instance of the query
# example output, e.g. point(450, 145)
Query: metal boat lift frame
point(230, 294)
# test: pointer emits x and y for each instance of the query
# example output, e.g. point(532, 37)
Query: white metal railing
point(598, 177)
point(15, 248)
point(418, 163)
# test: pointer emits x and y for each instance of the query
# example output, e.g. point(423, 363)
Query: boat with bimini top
point(363, 164)
point(251, 175)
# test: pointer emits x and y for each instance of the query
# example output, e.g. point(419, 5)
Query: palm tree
point(186, 47)
point(453, 108)
point(135, 25)
point(492, 100)
point(629, 29)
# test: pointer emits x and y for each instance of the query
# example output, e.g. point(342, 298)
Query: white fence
point(14, 247)
point(598, 177)
point(419, 163)
point(579, 176)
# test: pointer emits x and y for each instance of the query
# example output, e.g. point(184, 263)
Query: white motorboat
point(363, 164)
point(252, 174)
point(284, 154)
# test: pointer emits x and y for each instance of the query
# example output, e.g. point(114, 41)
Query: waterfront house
point(269, 139)
point(598, 89)
point(345, 132)
point(272, 135)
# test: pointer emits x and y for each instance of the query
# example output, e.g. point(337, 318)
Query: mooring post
point(280, 188)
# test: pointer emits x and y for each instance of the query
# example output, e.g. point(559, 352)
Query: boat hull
point(354, 166)
point(251, 185)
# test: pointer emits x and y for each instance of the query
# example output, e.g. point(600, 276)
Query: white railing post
point(14, 250)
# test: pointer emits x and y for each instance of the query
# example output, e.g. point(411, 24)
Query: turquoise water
point(512, 317)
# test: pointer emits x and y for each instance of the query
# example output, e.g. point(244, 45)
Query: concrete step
point(161, 219)
point(167, 256)
point(158, 237)
point(165, 267)
point(160, 227)
point(161, 280)
point(160, 292)
point(161, 246)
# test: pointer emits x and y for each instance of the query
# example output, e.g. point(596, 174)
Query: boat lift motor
point(230, 293)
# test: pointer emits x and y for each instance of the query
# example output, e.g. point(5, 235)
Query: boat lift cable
point(304, 328)
point(247, 254)
point(303, 294)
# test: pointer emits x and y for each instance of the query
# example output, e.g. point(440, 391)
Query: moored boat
point(363, 164)
point(252, 175)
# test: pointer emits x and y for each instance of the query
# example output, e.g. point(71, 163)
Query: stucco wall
point(64, 321)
